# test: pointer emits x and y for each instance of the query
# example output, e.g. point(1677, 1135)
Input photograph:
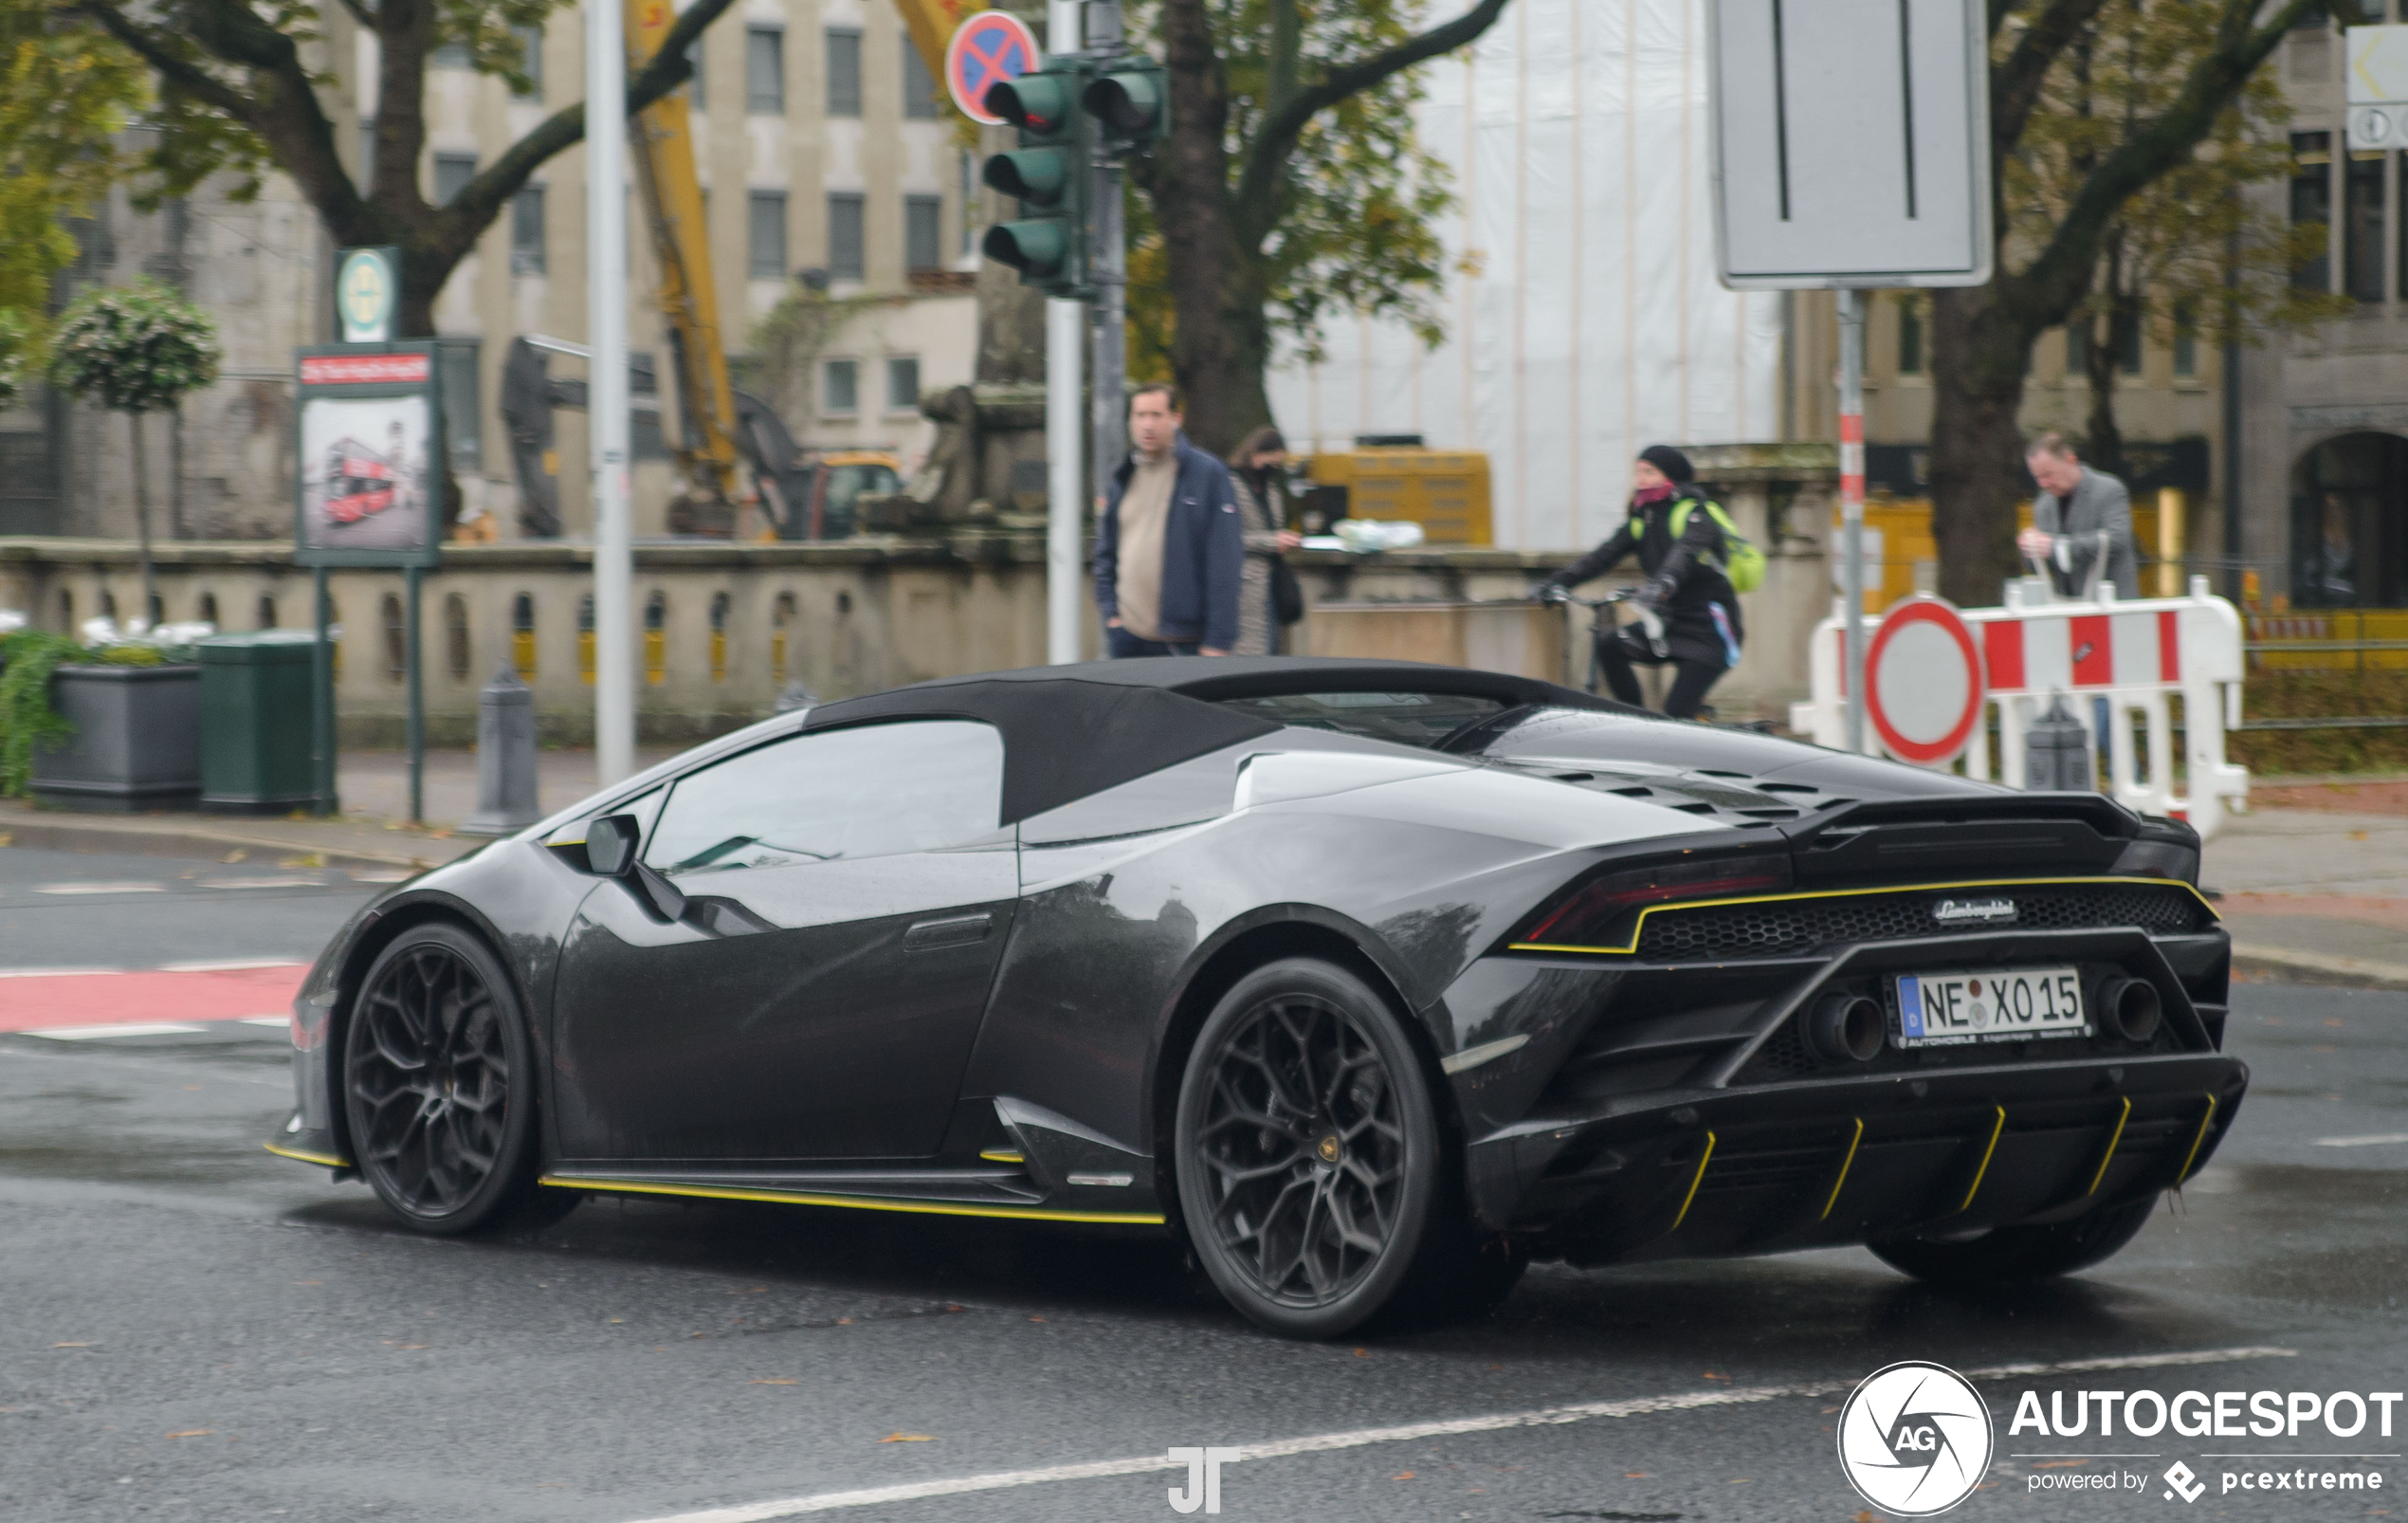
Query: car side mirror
point(610, 845)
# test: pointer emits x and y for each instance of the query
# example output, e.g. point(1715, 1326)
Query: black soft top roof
point(1069, 731)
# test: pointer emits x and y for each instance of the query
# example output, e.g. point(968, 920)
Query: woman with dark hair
point(1255, 467)
point(1678, 536)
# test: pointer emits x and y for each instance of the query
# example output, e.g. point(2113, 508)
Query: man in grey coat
point(2074, 505)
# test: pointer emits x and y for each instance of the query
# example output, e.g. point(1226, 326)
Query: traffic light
point(1130, 102)
point(1048, 175)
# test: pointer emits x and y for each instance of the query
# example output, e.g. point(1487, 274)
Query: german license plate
point(1947, 1009)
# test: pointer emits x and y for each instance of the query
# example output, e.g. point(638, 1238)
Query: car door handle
point(952, 930)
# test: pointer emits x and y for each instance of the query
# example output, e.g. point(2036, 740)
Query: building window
point(1909, 337)
point(781, 614)
point(840, 387)
point(396, 640)
point(452, 174)
point(209, 609)
point(847, 259)
point(766, 238)
point(2077, 347)
point(920, 89)
point(2312, 202)
point(2124, 331)
point(923, 232)
point(765, 71)
point(843, 72)
point(2186, 341)
point(902, 383)
point(527, 231)
point(2362, 237)
point(530, 61)
point(462, 408)
point(262, 617)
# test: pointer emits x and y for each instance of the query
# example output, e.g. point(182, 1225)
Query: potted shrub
point(109, 723)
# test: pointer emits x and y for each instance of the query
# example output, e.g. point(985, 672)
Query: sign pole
point(417, 720)
point(1065, 330)
point(606, 389)
point(322, 700)
point(1851, 500)
point(1109, 267)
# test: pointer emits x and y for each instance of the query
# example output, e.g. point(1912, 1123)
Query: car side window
point(871, 790)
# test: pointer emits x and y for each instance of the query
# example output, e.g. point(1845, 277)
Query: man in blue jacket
point(1170, 550)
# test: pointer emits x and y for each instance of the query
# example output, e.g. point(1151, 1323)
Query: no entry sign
point(1923, 688)
point(989, 47)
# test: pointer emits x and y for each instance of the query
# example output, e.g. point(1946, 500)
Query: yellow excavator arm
point(664, 152)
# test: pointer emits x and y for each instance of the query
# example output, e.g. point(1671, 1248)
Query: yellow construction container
point(1445, 491)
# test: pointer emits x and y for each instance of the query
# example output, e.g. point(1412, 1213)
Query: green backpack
point(1741, 562)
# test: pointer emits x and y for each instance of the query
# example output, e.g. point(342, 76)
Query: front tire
point(2007, 1255)
point(439, 1087)
point(1311, 1166)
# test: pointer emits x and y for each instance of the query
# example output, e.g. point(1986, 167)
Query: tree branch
point(361, 13)
point(1266, 155)
point(480, 201)
point(196, 81)
point(2016, 83)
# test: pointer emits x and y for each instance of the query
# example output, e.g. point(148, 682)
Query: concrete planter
point(136, 744)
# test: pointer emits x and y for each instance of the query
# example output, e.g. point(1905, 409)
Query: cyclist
point(1680, 546)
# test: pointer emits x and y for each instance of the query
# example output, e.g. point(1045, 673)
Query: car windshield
point(1403, 719)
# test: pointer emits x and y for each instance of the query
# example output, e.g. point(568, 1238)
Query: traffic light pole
point(1065, 330)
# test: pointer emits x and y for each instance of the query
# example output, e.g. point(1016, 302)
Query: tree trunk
point(1222, 345)
point(1978, 354)
point(2101, 442)
point(142, 516)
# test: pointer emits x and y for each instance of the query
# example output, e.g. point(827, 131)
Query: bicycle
point(1609, 623)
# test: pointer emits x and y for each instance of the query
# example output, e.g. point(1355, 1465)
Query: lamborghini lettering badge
point(1974, 912)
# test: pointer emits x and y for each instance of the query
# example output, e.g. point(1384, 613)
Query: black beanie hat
point(1674, 464)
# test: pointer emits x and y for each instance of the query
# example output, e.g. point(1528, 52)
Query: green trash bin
point(255, 722)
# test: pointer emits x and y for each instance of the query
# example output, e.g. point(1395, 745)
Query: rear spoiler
point(2010, 834)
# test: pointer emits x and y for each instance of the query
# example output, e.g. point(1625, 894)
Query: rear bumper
point(1833, 1161)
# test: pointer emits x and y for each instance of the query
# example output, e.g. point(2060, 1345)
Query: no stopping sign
point(1924, 686)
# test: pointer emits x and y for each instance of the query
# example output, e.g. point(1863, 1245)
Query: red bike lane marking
point(44, 1001)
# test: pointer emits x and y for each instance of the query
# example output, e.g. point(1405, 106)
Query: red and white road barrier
point(146, 1001)
point(1935, 674)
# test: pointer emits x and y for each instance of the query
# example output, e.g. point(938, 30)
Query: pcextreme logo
point(1914, 1439)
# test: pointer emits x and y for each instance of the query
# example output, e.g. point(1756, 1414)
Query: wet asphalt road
point(191, 1328)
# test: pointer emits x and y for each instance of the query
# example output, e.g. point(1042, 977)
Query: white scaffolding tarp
point(1594, 324)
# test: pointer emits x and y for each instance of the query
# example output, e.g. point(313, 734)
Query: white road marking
point(229, 966)
point(57, 972)
point(100, 887)
point(131, 1028)
point(262, 883)
point(280, 1022)
point(1491, 1422)
point(2378, 1140)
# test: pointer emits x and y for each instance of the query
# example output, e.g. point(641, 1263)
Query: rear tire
point(2006, 1254)
point(439, 1088)
point(1314, 1179)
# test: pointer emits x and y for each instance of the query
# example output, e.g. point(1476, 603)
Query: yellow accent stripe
point(1844, 1164)
point(1995, 1132)
point(2197, 1141)
point(935, 1208)
point(2100, 1178)
point(1639, 930)
point(1002, 1155)
point(1695, 1181)
point(327, 1159)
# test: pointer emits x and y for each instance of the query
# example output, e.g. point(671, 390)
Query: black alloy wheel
point(437, 1084)
point(1311, 1169)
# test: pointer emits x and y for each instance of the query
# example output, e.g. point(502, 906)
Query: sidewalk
point(2317, 893)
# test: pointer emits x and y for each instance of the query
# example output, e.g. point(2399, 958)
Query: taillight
point(1588, 915)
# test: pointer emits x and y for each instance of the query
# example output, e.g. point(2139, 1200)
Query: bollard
point(2057, 752)
point(505, 757)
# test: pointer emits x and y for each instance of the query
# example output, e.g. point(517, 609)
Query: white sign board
point(1851, 142)
point(2377, 81)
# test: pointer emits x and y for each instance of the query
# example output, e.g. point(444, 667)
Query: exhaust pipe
point(2130, 1007)
point(1847, 1028)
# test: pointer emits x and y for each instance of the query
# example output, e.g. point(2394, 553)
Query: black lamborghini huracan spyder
point(1370, 980)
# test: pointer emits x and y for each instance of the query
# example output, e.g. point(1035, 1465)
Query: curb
point(197, 843)
point(2319, 968)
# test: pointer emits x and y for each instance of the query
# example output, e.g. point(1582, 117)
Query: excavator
point(722, 424)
